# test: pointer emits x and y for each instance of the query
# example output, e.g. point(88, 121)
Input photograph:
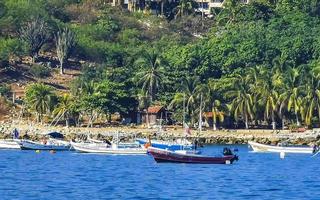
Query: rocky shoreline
point(126, 133)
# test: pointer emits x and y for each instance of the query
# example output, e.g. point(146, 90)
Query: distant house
point(207, 118)
point(206, 6)
point(154, 114)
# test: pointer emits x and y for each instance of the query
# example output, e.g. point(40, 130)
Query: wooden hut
point(154, 114)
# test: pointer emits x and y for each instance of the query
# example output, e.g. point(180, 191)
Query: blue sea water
point(69, 175)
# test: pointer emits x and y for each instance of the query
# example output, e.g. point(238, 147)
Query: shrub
point(4, 90)
point(40, 71)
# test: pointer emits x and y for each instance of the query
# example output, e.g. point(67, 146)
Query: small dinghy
point(162, 155)
point(105, 148)
point(51, 144)
point(257, 147)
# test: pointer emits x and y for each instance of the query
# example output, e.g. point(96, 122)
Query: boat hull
point(105, 149)
point(9, 144)
point(257, 147)
point(29, 145)
point(167, 145)
point(161, 155)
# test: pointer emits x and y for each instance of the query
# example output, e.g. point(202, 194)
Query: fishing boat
point(105, 148)
point(51, 144)
point(162, 155)
point(9, 144)
point(116, 140)
point(179, 144)
point(257, 147)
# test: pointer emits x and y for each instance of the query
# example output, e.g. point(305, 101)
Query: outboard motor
point(315, 149)
point(227, 152)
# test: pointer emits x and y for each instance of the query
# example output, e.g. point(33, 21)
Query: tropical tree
point(290, 98)
point(34, 33)
point(143, 104)
point(212, 101)
point(268, 96)
point(191, 88)
point(189, 91)
point(242, 103)
point(177, 103)
point(217, 114)
point(40, 99)
point(151, 73)
point(64, 43)
point(312, 98)
point(185, 7)
point(64, 108)
point(231, 10)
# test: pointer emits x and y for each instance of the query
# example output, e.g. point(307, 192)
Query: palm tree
point(216, 114)
point(64, 108)
point(190, 90)
point(39, 98)
point(242, 103)
point(290, 97)
point(231, 10)
point(255, 75)
point(191, 87)
point(211, 99)
point(268, 95)
point(150, 76)
point(185, 7)
point(312, 98)
point(144, 103)
point(178, 103)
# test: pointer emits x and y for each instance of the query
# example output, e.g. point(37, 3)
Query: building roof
point(209, 114)
point(155, 109)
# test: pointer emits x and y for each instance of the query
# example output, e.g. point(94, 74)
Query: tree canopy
point(255, 63)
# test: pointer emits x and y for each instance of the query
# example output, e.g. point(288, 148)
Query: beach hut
point(153, 114)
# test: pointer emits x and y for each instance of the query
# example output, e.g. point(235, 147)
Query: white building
point(207, 5)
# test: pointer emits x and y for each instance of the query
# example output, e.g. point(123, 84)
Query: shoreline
point(235, 136)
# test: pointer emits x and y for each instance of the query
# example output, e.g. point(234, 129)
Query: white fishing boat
point(51, 144)
point(257, 147)
point(106, 148)
point(9, 144)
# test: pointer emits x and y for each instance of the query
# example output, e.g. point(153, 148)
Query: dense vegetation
point(257, 64)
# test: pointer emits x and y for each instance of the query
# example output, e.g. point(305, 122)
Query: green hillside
point(253, 63)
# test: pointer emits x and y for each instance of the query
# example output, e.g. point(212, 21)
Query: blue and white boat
point(179, 144)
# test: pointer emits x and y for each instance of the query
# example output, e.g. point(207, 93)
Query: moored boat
point(257, 147)
point(180, 144)
point(9, 144)
point(105, 148)
point(50, 145)
point(162, 155)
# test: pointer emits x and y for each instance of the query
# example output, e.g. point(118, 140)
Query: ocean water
point(69, 175)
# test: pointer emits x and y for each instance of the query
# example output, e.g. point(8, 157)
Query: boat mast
point(184, 111)
point(200, 115)
point(184, 117)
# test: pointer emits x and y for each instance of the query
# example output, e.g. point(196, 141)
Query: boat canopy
point(55, 135)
